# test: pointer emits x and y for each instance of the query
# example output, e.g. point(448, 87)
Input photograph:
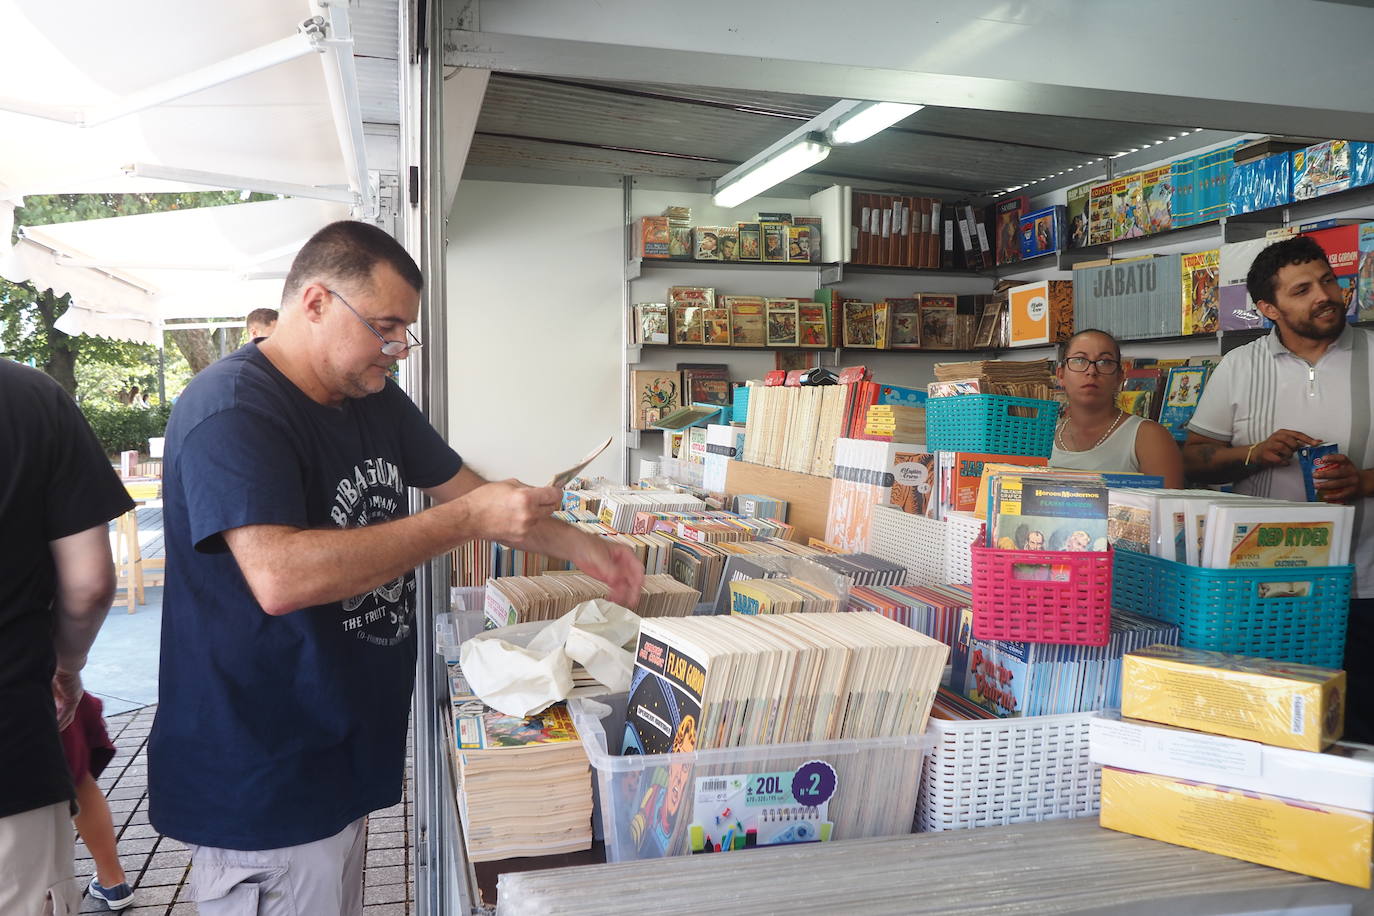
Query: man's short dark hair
point(1065, 344)
point(1259, 282)
point(261, 317)
point(349, 251)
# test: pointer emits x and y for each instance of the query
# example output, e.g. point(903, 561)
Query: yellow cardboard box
point(1273, 702)
point(1324, 842)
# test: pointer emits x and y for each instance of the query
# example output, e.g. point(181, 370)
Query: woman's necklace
point(1111, 428)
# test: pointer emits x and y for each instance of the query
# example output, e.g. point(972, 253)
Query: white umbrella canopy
point(210, 262)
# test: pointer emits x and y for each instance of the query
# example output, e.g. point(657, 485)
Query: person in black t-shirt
point(291, 606)
point(58, 493)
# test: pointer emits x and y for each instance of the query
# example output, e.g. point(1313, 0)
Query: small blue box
point(1261, 183)
point(1043, 231)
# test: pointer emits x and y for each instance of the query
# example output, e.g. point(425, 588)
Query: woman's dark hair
point(1264, 270)
point(1065, 345)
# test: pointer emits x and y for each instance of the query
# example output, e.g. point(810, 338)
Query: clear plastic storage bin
point(665, 804)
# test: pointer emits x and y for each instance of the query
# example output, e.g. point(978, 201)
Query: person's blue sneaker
point(116, 898)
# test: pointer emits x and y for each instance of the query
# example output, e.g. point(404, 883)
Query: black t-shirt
point(55, 481)
point(277, 731)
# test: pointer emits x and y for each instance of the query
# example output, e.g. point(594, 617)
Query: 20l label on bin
point(741, 811)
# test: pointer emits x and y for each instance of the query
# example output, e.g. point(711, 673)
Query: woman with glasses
point(1096, 434)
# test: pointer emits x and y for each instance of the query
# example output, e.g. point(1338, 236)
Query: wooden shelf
point(637, 267)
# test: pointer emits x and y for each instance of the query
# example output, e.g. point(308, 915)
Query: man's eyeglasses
point(389, 347)
point(1105, 366)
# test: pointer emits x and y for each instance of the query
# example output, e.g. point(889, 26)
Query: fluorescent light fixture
point(868, 119)
point(755, 178)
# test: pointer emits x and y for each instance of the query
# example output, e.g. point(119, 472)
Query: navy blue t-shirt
point(276, 731)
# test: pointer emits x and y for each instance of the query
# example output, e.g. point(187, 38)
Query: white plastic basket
point(913, 541)
point(994, 772)
point(961, 530)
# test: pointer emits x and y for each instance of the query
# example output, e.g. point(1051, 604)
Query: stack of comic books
point(864, 568)
point(1009, 678)
point(782, 595)
point(520, 599)
point(1015, 378)
point(757, 506)
point(524, 784)
point(1229, 530)
point(1029, 511)
point(937, 611)
point(618, 509)
point(742, 681)
point(702, 565)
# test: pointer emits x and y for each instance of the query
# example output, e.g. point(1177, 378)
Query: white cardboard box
point(1342, 776)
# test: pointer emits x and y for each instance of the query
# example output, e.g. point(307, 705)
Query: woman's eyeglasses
point(389, 347)
point(1105, 366)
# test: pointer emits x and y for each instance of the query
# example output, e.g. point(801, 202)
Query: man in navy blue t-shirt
point(288, 648)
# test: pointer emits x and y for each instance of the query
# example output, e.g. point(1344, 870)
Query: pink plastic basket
point(1049, 596)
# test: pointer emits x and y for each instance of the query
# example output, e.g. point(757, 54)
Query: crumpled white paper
point(523, 681)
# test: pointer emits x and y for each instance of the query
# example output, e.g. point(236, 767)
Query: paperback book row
point(915, 232)
point(776, 238)
point(521, 599)
point(889, 230)
point(696, 316)
point(795, 427)
point(524, 784)
point(1207, 741)
point(1216, 530)
point(746, 680)
point(1008, 678)
point(651, 532)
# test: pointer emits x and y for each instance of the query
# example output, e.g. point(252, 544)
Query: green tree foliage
point(121, 428)
point(28, 315)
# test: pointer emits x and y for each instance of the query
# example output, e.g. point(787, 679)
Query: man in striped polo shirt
point(1307, 382)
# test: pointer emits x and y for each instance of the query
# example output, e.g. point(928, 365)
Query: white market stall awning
point(264, 113)
point(152, 96)
point(128, 274)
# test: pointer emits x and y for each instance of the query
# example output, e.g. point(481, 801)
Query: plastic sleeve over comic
point(1324, 842)
point(1279, 703)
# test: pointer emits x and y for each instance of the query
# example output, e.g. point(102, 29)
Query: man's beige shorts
point(36, 853)
point(324, 877)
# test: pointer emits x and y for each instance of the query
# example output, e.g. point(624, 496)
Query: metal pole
point(161, 375)
point(445, 884)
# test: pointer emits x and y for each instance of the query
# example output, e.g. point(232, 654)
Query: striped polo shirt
point(1263, 387)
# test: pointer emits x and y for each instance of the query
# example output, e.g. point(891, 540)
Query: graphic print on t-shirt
point(372, 492)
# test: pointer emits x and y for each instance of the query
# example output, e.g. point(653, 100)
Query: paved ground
point(123, 671)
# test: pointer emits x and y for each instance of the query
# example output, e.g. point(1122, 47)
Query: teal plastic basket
point(1242, 611)
point(991, 423)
